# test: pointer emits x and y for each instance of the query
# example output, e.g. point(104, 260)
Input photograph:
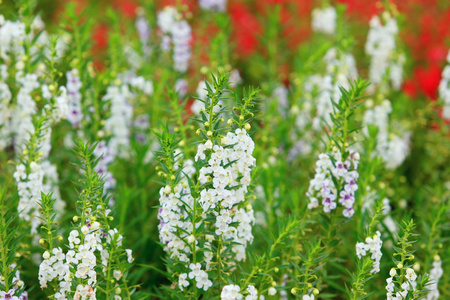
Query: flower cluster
point(444, 89)
point(75, 115)
point(95, 249)
point(29, 186)
point(322, 91)
point(181, 37)
point(22, 121)
point(324, 20)
point(105, 156)
point(176, 228)
point(317, 95)
point(5, 111)
point(143, 29)
point(200, 276)
point(118, 124)
point(80, 262)
point(341, 66)
point(334, 180)
point(408, 285)
point(233, 292)
point(29, 176)
point(373, 245)
point(172, 216)
point(235, 152)
point(391, 147)
point(177, 32)
point(381, 46)
point(435, 274)
point(12, 36)
point(214, 5)
point(17, 284)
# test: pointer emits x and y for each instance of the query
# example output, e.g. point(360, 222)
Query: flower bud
point(191, 239)
point(167, 189)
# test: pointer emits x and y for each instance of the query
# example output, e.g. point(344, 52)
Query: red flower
point(127, 7)
point(246, 29)
point(428, 80)
point(410, 88)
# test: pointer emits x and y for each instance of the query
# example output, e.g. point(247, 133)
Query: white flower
point(117, 274)
point(195, 270)
point(272, 291)
point(73, 238)
point(390, 285)
point(324, 20)
point(129, 255)
point(373, 244)
point(166, 18)
point(230, 292)
point(252, 293)
point(202, 281)
point(361, 249)
point(410, 275)
point(182, 282)
point(214, 5)
point(380, 46)
point(435, 274)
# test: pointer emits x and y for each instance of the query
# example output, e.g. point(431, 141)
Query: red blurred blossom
point(127, 7)
point(410, 87)
point(428, 79)
point(361, 10)
point(437, 54)
point(100, 37)
point(245, 28)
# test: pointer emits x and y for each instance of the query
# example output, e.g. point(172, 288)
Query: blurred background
point(424, 29)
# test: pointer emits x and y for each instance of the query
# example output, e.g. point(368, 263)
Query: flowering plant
point(137, 163)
